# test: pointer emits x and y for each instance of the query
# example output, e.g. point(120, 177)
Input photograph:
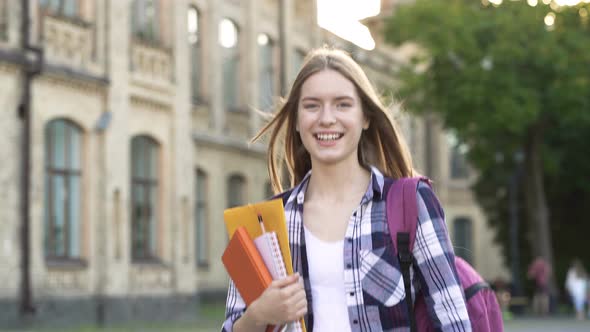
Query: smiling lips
point(328, 136)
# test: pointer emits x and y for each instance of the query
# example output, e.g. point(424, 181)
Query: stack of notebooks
point(258, 251)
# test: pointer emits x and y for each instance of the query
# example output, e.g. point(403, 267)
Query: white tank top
point(326, 275)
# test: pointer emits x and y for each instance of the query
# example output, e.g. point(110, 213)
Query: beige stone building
point(140, 122)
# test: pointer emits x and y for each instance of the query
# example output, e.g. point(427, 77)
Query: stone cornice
point(73, 79)
point(149, 103)
point(225, 142)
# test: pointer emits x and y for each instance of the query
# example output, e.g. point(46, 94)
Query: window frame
point(4, 21)
point(458, 163)
point(230, 55)
point(69, 174)
point(149, 32)
point(150, 187)
point(202, 249)
point(266, 73)
point(60, 8)
point(196, 55)
point(232, 180)
point(463, 246)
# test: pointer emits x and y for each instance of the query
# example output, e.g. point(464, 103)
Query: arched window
point(144, 197)
point(194, 41)
point(229, 41)
point(463, 238)
point(266, 72)
point(63, 192)
point(201, 219)
point(236, 190)
point(145, 20)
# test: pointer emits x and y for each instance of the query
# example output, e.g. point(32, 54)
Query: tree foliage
point(509, 84)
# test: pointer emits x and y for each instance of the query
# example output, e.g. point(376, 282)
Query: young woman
point(338, 143)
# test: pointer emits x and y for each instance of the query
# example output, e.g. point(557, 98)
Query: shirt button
point(351, 293)
point(349, 240)
point(355, 321)
point(354, 214)
point(348, 266)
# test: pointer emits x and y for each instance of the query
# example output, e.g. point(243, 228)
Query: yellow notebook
point(273, 216)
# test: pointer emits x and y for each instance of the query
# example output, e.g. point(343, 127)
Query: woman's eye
point(344, 105)
point(309, 106)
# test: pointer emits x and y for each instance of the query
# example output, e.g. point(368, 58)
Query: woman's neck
point(337, 182)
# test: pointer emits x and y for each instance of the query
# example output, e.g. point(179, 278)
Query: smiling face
point(330, 118)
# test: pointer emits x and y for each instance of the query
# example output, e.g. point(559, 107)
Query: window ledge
point(237, 109)
point(151, 263)
point(75, 20)
point(58, 263)
point(149, 42)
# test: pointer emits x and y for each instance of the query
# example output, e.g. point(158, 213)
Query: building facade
point(140, 123)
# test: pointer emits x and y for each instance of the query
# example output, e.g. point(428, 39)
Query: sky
point(341, 17)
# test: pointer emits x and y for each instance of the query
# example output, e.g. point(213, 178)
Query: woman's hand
point(282, 302)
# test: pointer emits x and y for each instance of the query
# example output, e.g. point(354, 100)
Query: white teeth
point(328, 137)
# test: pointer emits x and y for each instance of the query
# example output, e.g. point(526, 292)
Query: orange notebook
point(245, 266)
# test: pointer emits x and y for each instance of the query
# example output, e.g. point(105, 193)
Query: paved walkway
point(560, 324)
point(554, 324)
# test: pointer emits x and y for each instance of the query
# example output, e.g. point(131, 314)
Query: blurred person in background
point(576, 284)
point(539, 271)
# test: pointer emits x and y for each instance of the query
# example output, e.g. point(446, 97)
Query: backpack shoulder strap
point(402, 220)
point(402, 209)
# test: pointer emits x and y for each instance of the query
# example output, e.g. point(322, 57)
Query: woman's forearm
point(248, 323)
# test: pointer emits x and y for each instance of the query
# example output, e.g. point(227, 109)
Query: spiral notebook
point(268, 246)
point(270, 251)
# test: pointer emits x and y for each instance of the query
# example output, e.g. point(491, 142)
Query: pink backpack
point(402, 216)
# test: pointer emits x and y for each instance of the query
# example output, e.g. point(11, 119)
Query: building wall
point(106, 73)
point(9, 175)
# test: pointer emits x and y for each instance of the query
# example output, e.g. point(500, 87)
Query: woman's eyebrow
point(309, 98)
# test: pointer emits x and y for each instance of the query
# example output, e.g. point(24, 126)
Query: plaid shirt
point(372, 274)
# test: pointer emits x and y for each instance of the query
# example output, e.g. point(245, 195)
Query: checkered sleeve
point(234, 308)
point(436, 269)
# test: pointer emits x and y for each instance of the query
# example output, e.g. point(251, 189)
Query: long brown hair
point(381, 145)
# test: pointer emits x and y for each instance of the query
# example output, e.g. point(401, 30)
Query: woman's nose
point(327, 116)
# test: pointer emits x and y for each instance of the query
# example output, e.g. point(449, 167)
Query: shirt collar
point(375, 188)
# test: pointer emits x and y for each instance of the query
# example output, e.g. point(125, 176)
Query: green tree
point(505, 78)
